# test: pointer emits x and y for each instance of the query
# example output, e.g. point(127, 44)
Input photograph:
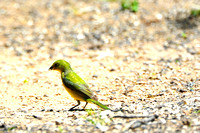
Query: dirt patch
point(144, 66)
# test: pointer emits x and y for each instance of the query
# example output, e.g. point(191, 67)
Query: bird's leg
point(85, 105)
point(75, 106)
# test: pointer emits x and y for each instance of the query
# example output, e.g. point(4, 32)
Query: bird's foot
point(76, 110)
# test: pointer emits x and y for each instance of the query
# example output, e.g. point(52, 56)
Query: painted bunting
point(75, 85)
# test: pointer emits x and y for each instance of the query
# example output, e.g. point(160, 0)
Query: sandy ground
point(153, 76)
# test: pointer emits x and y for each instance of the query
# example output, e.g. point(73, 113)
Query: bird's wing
point(76, 83)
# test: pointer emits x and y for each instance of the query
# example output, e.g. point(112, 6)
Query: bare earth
point(139, 64)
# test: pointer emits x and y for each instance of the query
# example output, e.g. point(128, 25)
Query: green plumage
point(75, 85)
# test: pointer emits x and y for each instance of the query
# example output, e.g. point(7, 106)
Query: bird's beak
point(51, 68)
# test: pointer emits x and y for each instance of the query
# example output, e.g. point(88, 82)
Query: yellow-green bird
point(75, 85)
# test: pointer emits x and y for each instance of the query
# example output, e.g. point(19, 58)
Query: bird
point(75, 85)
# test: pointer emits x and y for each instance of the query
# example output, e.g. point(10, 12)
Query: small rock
point(112, 69)
point(37, 117)
point(182, 103)
point(2, 124)
point(182, 90)
point(95, 76)
point(50, 110)
point(58, 122)
point(45, 95)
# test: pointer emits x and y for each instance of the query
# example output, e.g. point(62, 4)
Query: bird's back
point(76, 86)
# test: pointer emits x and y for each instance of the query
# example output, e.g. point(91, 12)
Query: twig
point(131, 116)
point(139, 123)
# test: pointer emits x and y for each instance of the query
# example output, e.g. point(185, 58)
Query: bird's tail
point(98, 104)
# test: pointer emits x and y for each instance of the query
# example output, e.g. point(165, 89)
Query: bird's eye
point(56, 65)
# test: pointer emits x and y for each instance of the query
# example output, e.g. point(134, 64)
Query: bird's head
point(60, 65)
